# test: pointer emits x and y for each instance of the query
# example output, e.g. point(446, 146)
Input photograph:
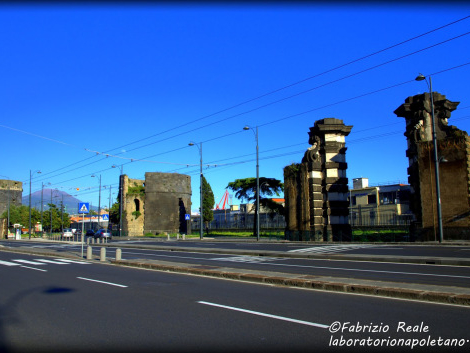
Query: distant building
point(379, 205)
point(242, 217)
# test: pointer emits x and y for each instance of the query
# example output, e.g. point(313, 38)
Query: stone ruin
point(454, 168)
point(157, 204)
point(316, 190)
point(11, 192)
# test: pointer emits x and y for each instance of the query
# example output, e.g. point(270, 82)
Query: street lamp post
point(99, 202)
point(421, 77)
point(30, 178)
point(200, 188)
point(8, 219)
point(120, 198)
point(42, 209)
point(257, 179)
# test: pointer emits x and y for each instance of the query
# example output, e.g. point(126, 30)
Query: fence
point(242, 222)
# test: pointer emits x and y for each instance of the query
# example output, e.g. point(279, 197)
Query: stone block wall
point(454, 186)
point(10, 190)
point(454, 168)
point(157, 204)
point(167, 200)
point(133, 207)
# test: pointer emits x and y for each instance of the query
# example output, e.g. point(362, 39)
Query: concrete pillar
point(89, 253)
point(103, 254)
point(118, 254)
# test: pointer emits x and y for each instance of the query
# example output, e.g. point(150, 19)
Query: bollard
point(92, 240)
point(89, 253)
point(177, 236)
point(118, 254)
point(184, 236)
point(103, 254)
point(167, 236)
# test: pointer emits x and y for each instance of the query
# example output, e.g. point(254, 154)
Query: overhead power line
point(280, 89)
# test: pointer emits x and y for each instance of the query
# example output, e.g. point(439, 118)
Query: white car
point(67, 233)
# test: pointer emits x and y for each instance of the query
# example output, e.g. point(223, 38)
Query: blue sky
point(139, 82)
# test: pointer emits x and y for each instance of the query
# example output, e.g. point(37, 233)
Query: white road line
point(266, 315)
point(73, 261)
point(94, 280)
point(248, 259)
point(51, 262)
point(29, 262)
point(32, 268)
point(6, 263)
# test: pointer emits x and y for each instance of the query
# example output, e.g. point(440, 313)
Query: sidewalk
point(420, 292)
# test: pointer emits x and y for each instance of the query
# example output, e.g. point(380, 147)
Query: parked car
point(67, 233)
point(103, 234)
point(90, 233)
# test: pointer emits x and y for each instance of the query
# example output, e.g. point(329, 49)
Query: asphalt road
point(72, 306)
point(401, 249)
point(391, 272)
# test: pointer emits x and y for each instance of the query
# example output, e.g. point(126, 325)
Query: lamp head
point(246, 128)
point(420, 77)
point(191, 144)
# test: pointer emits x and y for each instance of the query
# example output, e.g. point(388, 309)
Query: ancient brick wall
point(167, 200)
point(454, 168)
point(10, 190)
point(157, 204)
point(454, 184)
point(133, 215)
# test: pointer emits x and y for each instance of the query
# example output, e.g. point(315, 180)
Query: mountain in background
point(70, 202)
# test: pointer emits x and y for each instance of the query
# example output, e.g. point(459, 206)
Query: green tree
point(245, 189)
point(20, 215)
point(114, 212)
point(207, 202)
point(59, 218)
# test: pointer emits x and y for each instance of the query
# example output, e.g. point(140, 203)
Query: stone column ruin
point(316, 190)
point(454, 168)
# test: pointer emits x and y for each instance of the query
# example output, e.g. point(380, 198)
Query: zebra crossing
point(330, 249)
point(41, 262)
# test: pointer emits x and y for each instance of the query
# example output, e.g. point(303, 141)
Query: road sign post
point(83, 207)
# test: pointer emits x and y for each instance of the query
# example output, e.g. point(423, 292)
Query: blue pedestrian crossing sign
point(187, 217)
point(105, 217)
point(84, 207)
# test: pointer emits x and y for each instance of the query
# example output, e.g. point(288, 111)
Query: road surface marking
point(248, 259)
point(266, 315)
point(94, 280)
point(51, 262)
point(330, 248)
point(29, 262)
point(33, 268)
point(73, 261)
point(6, 263)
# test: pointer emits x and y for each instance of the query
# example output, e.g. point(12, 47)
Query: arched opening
point(137, 205)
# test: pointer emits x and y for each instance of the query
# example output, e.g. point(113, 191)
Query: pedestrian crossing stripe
point(38, 262)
